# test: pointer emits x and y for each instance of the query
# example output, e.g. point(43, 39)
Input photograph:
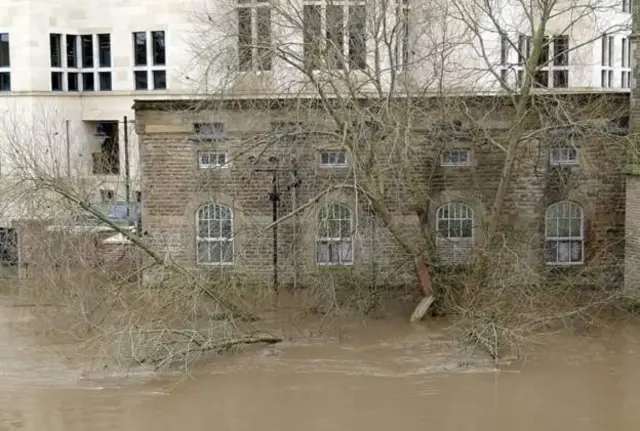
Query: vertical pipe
point(68, 142)
point(127, 179)
point(294, 234)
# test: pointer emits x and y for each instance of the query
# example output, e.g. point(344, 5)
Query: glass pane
point(552, 227)
point(576, 251)
point(564, 227)
point(455, 228)
point(334, 252)
point(552, 211)
point(333, 228)
point(322, 252)
point(345, 250)
point(203, 252)
point(215, 251)
point(564, 251)
point(576, 211)
point(467, 228)
point(552, 251)
point(342, 158)
point(324, 158)
point(444, 211)
point(345, 228)
point(575, 227)
point(227, 251)
point(226, 230)
point(203, 229)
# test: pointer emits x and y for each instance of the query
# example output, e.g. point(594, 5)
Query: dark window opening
point(357, 37)
point(264, 39)
point(72, 81)
point(561, 51)
point(8, 247)
point(140, 49)
point(72, 51)
point(88, 82)
point(312, 36)
point(107, 160)
point(141, 80)
point(244, 39)
point(5, 57)
point(159, 80)
point(55, 49)
point(561, 78)
point(335, 36)
point(86, 41)
point(104, 50)
point(5, 81)
point(105, 81)
point(57, 81)
point(159, 51)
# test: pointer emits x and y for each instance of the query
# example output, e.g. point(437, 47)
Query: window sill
point(334, 265)
point(564, 264)
point(214, 265)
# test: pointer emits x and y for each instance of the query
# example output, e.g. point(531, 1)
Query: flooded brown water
point(386, 375)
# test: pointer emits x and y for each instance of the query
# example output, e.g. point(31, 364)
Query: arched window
point(214, 236)
point(455, 220)
point(564, 233)
point(334, 244)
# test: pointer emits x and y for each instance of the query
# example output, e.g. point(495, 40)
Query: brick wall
point(416, 185)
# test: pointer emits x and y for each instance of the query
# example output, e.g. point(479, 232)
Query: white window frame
point(627, 6)
point(212, 154)
point(254, 6)
point(342, 239)
point(220, 239)
point(557, 239)
point(345, 5)
point(403, 31)
point(335, 154)
point(607, 54)
point(459, 152)
point(524, 44)
point(461, 213)
point(561, 155)
point(625, 73)
point(149, 68)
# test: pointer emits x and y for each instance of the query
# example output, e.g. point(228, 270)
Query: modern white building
point(70, 70)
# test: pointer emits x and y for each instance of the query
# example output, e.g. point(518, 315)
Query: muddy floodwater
point(387, 375)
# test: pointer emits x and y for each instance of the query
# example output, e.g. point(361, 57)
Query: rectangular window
point(335, 36)
point(57, 83)
point(86, 41)
point(357, 37)
point(564, 155)
point(5, 81)
point(105, 81)
point(606, 60)
point(561, 51)
point(524, 49)
point(264, 52)
point(543, 59)
point(312, 48)
point(141, 80)
point(5, 57)
point(455, 158)
point(625, 74)
point(104, 50)
point(402, 37)
point(254, 35)
point(626, 6)
point(212, 160)
point(88, 82)
point(72, 81)
point(140, 49)
point(72, 50)
point(210, 131)
point(159, 80)
point(504, 50)
point(8, 247)
point(244, 39)
point(333, 159)
point(55, 49)
point(158, 48)
point(561, 78)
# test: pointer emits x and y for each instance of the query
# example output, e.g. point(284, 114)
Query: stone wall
point(173, 187)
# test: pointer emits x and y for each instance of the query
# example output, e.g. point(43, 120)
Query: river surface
point(386, 375)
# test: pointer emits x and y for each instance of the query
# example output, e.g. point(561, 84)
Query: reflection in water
point(387, 376)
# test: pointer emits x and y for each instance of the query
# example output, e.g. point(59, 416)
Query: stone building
point(209, 170)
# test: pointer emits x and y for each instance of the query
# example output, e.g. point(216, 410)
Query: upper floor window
point(626, 5)
point(551, 68)
point(564, 233)
point(625, 74)
point(5, 63)
point(254, 35)
point(335, 34)
point(333, 159)
point(149, 60)
point(80, 62)
point(454, 220)
point(607, 51)
point(334, 242)
point(214, 235)
point(401, 36)
point(455, 158)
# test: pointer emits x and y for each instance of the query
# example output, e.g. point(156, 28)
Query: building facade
point(206, 197)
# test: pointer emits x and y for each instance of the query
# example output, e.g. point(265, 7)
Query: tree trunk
point(426, 288)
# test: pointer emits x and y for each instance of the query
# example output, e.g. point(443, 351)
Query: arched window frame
point(214, 235)
point(455, 221)
point(334, 235)
point(564, 233)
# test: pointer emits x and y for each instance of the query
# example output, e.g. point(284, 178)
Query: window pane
point(159, 80)
point(141, 80)
point(5, 81)
point(576, 251)
point(345, 251)
point(72, 81)
point(55, 48)
point(104, 50)
point(105, 81)
point(564, 251)
point(324, 158)
point(312, 36)
point(333, 228)
point(552, 227)
point(159, 50)
point(88, 81)
point(552, 251)
point(561, 51)
point(335, 35)
point(443, 228)
point(56, 81)
point(342, 158)
point(215, 252)
point(575, 227)
point(244, 39)
point(345, 228)
point(225, 229)
point(226, 249)
point(322, 252)
point(357, 37)
point(72, 50)
point(467, 228)
point(455, 228)
point(86, 40)
point(5, 58)
point(203, 252)
point(564, 227)
point(140, 49)
point(264, 38)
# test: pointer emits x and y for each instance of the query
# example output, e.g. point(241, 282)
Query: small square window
point(212, 160)
point(333, 159)
point(564, 156)
point(455, 158)
point(210, 131)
